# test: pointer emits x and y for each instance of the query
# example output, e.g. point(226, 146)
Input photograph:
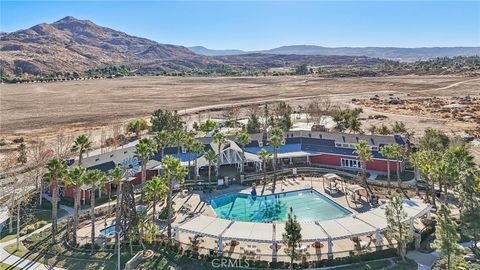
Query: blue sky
point(264, 25)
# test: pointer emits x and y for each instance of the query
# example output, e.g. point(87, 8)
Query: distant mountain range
point(391, 53)
point(73, 45)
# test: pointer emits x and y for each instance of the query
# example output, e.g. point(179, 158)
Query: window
point(260, 143)
point(184, 150)
point(283, 142)
point(374, 148)
point(351, 163)
point(338, 144)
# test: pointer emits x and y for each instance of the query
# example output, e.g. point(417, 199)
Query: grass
point(30, 215)
point(4, 266)
point(38, 247)
point(404, 176)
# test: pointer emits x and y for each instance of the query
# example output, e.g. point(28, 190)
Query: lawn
point(404, 176)
point(4, 266)
point(38, 247)
point(30, 215)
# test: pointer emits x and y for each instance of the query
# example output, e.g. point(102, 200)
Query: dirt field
point(43, 109)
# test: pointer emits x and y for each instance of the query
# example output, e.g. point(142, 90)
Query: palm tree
point(178, 137)
point(275, 140)
point(188, 141)
point(173, 172)
point(116, 175)
point(219, 139)
point(387, 151)
point(76, 177)
point(264, 156)
point(211, 157)
point(397, 153)
point(364, 152)
point(144, 150)
point(425, 161)
point(415, 162)
point(163, 139)
point(243, 139)
point(81, 145)
point(197, 147)
point(94, 178)
point(156, 189)
point(56, 172)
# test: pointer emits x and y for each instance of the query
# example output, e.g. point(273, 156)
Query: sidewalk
point(20, 262)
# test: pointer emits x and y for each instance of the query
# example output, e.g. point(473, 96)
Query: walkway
point(22, 262)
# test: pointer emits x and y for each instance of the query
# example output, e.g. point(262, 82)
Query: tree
point(211, 157)
point(469, 191)
point(301, 70)
point(144, 150)
point(387, 151)
point(197, 147)
point(94, 178)
point(208, 126)
point(399, 230)
point(178, 137)
point(446, 236)
point(189, 141)
point(162, 140)
point(384, 130)
point(434, 140)
point(253, 124)
point(55, 175)
point(76, 178)
point(243, 139)
point(275, 140)
point(364, 152)
point(426, 160)
point(397, 153)
point(22, 154)
point(156, 189)
point(372, 129)
point(220, 140)
point(166, 120)
point(39, 156)
point(174, 172)
point(292, 237)
point(137, 126)
point(81, 145)
point(264, 156)
point(399, 127)
point(116, 175)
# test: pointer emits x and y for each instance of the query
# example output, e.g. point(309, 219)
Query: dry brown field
point(43, 109)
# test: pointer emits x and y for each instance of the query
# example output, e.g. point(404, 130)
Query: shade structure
point(354, 188)
point(249, 231)
point(355, 226)
point(333, 229)
point(342, 228)
point(312, 232)
point(205, 225)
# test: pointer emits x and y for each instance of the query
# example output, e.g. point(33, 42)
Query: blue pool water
point(110, 230)
point(307, 205)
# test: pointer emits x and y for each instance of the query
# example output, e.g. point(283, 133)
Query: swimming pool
point(307, 205)
point(108, 231)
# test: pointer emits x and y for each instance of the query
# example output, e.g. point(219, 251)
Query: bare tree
point(232, 114)
point(319, 107)
point(40, 153)
point(63, 144)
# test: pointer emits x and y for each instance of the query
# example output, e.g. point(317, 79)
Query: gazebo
point(334, 183)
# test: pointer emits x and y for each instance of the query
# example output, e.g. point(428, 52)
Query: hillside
point(391, 53)
point(77, 45)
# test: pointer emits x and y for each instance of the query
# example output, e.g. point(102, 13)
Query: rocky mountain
point(391, 53)
point(77, 45)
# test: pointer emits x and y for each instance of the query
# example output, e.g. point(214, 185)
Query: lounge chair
point(291, 182)
point(296, 180)
point(285, 183)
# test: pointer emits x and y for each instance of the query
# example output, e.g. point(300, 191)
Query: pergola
point(365, 224)
point(334, 179)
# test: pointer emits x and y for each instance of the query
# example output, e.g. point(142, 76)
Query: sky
point(257, 25)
